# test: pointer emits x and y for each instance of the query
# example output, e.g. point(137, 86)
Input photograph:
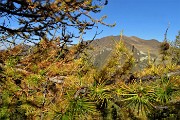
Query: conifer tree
point(30, 20)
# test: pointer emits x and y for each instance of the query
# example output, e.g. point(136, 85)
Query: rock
point(57, 79)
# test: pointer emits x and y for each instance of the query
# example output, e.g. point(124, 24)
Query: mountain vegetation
point(51, 80)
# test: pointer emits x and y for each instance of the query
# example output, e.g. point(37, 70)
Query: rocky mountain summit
point(143, 50)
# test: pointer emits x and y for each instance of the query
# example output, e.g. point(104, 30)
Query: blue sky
point(147, 19)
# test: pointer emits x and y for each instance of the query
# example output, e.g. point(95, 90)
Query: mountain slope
point(140, 48)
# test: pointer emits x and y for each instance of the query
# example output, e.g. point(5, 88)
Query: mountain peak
point(104, 46)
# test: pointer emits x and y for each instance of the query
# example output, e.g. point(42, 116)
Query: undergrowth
point(54, 83)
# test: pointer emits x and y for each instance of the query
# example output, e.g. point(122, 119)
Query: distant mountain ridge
point(141, 49)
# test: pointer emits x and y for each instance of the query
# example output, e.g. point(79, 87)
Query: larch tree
point(31, 20)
